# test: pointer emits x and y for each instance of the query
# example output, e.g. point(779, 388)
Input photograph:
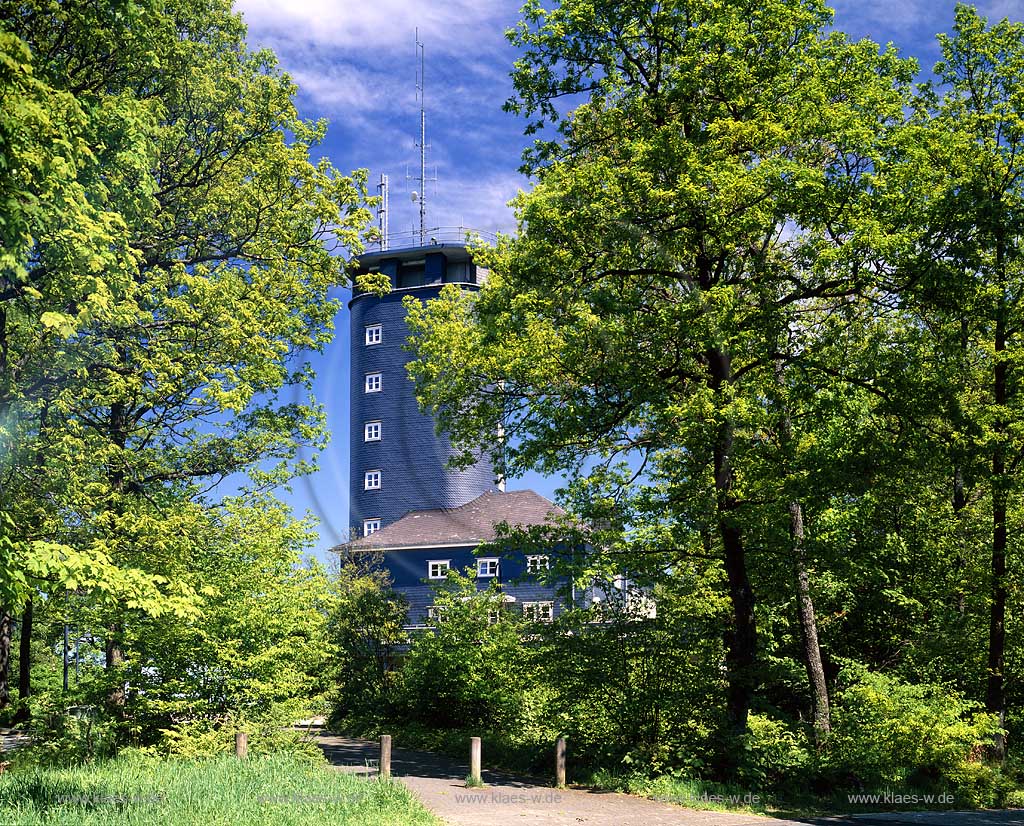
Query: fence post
point(385, 756)
point(241, 744)
point(560, 762)
point(474, 759)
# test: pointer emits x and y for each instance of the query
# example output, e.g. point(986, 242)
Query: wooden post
point(474, 759)
point(560, 762)
point(241, 745)
point(385, 756)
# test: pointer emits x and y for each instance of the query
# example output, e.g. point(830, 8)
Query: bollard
point(385, 756)
point(474, 759)
point(241, 744)
point(560, 762)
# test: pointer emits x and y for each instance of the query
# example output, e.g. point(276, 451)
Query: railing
point(433, 236)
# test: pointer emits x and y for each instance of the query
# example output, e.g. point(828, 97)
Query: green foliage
point(209, 738)
point(891, 734)
point(763, 311)
point(777, 755)
point(168, 256)
point(468, 672)
point(366, 630)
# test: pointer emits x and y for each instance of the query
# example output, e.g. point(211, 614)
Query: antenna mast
point(422, 144)
point(382, 212)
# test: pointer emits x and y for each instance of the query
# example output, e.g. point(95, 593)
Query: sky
point(355, 63)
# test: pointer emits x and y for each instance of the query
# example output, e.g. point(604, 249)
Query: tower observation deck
point(398, 462)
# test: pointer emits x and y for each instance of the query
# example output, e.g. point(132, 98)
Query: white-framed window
point(374, 334)
point(538, 611)
point(371, 480)
point(436, 612)
point(438, 568)
point(487, 567)
point(371, 432)
point(372, 383)
point(537, 563)
point(493, 616)
point(370, 526)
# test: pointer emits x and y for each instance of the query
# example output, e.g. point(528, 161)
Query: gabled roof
point(468, 524)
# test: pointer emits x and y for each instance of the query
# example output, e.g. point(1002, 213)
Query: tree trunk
point(5, 657)
point(114, 652)
point(820, 707)
point(995, 699)
point(809, 629)
point(24, 663)
point(741, 642)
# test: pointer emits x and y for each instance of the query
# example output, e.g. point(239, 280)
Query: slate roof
point(468, 524)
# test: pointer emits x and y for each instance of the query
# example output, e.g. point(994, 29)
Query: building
point(406, 503)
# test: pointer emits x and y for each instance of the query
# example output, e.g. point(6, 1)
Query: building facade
point(406, 503)
point(398, 460)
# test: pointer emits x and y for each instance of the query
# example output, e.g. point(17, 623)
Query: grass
point(136, 790)
point(694, 794)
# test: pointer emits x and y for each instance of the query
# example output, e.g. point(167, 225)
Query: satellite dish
point(414, 195)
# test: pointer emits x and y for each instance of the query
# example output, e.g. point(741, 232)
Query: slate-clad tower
point(398, 461)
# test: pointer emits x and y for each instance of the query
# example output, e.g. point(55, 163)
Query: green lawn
point(275, 790)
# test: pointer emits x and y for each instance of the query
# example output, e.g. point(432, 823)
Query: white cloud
point(342, 87)
point(998, 9)
point(377, 24)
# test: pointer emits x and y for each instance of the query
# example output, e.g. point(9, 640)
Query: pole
point(65, 657)
point(385, 756)
point(241, 745)
point(474, 759)
point(560, 762)
point(423, 147)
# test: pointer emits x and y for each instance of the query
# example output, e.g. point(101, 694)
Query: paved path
point(509, 800)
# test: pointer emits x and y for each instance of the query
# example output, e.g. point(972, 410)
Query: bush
point(775, 754)
point(468, 672)
point(207, 738)
point(887, 733)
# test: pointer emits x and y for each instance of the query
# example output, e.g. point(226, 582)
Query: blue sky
point(355, 62)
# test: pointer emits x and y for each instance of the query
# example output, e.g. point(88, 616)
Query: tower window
point(370, 526)
point(372, 384)
point(374, 334)
point(487, 567)
point(371, 480)
point(438, 568)
point(536, 564)
point(371, 432)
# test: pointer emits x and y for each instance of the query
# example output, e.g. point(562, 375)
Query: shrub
point(888, 733)
point(776, 754)
point(208, 738)
point(468, 672)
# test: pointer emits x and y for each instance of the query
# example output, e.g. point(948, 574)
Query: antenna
point(423, 142)
point(421, 196)
point(382, 212)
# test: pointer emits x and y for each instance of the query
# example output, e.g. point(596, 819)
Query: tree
point(712, 185)
point(152, 345)
point(367, 628)
point(962, 283)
